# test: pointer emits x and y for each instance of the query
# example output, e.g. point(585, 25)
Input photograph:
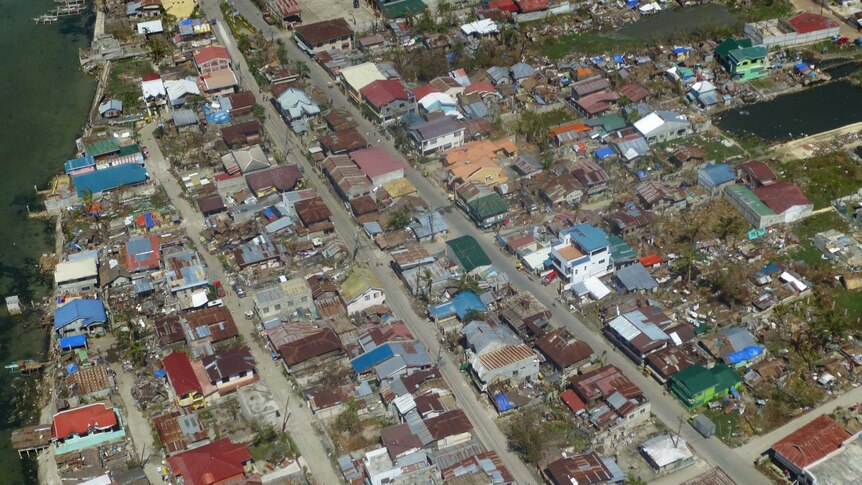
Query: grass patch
point(714, 149)
point(805, 231)
point(585, 43)
point(768, 9)
point(124, 81)
point(825, 178)
point(726, 424)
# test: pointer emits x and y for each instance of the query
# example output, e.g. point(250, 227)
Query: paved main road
point(300, 423)
point(346, 228)
point(664, 407)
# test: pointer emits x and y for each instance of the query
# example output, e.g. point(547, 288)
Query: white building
point(75, 276)
point(361, 290)
point(439, 134)
point(583, 253)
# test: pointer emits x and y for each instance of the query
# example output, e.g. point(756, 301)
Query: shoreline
point(46, 470)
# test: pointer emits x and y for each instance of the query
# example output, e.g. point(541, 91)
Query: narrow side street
point(139, 427)
point(300, 423)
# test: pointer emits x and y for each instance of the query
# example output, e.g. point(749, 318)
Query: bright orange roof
point(650, 260)
point(574, 126)
point(465, 171)
point(475, 151)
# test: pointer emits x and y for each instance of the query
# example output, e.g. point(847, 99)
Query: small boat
point(45, 19)
point(26, 366)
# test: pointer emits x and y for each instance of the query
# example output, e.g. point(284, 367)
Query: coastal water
point(669, 24)
point(45, 101)
point(815, 110)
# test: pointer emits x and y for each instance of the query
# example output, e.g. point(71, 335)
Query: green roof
point(756, 52)
point(358, 282)
point(620, 250)
point(611, 122)
point(129, 150)
point(399, 9)
point(468, 252)
point(696, 379)
point(729, 44)
point(488, 205)
point(101, 147)
point(748, 198)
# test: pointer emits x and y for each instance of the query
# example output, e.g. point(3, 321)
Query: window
point(304, 299)
point(265, 310)
point(278, 306)
point(601, 261)
point(367, 297)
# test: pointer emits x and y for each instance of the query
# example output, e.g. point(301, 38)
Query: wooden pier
point(31, 439)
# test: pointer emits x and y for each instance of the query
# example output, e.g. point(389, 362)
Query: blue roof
point(443, 310)
point(79, 163)
point(716, 174)
point(109, 178)
point(423, 225)
point(142, 285)
point(466, 301)
point(502, 401)
point(588, 237)
point(90, 311)
point(604, 152)
point(371, 358)
point(73, 342)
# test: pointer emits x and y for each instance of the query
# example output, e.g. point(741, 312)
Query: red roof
point(508, 5)
point(759, 171)
point(481, 87)
point(210, 53)
point(150, 77)
point(423, 91)
point(811, 22)
point(383, 91)
point(376, 161)
point(216, 462)
point(650, 260)
point(532, 5)
point(812, 442)
point(181, 374)
point(138, 258)
point(83, 419)
point(781, 196)
point(572, 401)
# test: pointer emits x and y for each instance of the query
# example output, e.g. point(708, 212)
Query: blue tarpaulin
point(734, 392)
point(604, 153)
point(502, 401)
point(619, 59)
point(801, 66)
point(216, 116)
point(632, 3)
point(642, 174)
point(148, 220)
point(745, 354)
point(71, 369)
point(160, 373)
point(73, 342)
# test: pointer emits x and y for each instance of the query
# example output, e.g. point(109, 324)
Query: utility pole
point(355, 246)
point(286, 415)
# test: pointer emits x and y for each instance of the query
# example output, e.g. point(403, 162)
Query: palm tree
point(634, 480)
point(466, 282)
point(428, 282)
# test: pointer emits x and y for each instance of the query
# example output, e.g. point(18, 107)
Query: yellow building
point(181, 9)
